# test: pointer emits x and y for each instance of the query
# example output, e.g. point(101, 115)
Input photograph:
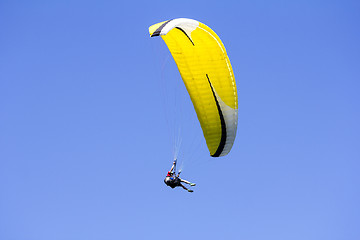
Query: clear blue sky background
point(84, 147)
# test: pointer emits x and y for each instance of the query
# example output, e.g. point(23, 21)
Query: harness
point(174, 180)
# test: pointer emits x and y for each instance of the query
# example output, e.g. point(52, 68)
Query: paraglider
point(206, 71)
point(173, 180)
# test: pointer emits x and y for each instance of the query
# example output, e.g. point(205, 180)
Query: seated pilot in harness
point(173, 180)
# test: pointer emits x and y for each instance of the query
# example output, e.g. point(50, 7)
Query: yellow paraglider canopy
point(208, 76)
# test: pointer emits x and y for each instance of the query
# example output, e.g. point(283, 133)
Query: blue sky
point(84, 133)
